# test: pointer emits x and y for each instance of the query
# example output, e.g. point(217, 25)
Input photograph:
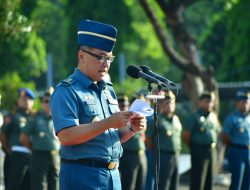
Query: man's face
point(25, 102)
point(243, 105)
point(167, 106)
point(206, 104)
point(92, 66)
point(45, 104)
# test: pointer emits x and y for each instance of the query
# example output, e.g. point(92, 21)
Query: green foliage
point(22, 55)
point(21, 49)
point(12, 23)
point(236, 52)
point(36, 55)
point(9, 85)
point(51, 26)
point(130, 87)
point(212, 43)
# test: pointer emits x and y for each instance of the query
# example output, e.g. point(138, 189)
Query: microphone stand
point(156, 153)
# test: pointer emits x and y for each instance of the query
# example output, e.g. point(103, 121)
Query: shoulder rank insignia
point(67, 81)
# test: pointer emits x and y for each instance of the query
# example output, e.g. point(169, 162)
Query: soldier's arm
point(225, 138)
point(25, 140)
point(5, 144)
point(226, 130)
point(186, 135)
point(149, 142)
point(8, 119)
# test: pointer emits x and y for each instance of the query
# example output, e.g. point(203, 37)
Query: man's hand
point(138, 122)
point(120, 119)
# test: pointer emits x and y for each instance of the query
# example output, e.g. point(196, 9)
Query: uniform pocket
point(114, 108)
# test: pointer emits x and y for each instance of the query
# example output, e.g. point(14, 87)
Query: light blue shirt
point(237, 126)
point(77, 100)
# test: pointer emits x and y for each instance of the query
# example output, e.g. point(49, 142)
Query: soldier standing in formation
point(19, 178)
point(236, 136)
point(133, 163)
point(39, 136)
point(169, 127)
point(201, 134)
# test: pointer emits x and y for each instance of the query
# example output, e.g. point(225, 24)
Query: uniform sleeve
point(228, 125)
point(190, 123)
point(7, 125)
point(150, 126)
point(64, 108)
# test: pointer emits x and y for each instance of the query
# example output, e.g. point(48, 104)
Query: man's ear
point(80, 55)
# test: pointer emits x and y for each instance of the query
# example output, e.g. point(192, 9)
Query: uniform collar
point(86, 81)
point(203, 112)
point(240, 113)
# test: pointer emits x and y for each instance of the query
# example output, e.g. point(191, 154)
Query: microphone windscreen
point(133, 71)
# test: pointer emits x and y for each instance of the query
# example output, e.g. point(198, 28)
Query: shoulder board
point(8, 119)
point(109, 83)
point(67, 81)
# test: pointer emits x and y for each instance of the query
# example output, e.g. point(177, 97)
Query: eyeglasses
point(100, 58)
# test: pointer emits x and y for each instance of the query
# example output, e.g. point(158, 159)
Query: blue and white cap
point(242, 95)
point(97, 35)
point(26, 92)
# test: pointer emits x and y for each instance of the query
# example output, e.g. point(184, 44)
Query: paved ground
point(216, 187)
point(222, 182)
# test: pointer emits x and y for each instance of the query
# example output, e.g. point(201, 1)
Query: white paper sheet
point(141, 107)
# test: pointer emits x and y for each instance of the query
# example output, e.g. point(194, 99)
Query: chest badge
point(241, 130)
point(22, 121)
point(95, 119)
point(202, 129)
point(169, 132)
point(202, 119)
point(110, 98)
point(41, 134)
point(88, 97)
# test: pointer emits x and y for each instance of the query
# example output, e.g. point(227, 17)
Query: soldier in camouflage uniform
point(40, 137)
point(201, 134)
point(19, 178)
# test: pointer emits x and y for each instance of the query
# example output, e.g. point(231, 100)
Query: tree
point(21, 49)
point(186, 57)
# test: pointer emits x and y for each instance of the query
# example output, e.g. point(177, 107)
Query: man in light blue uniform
point(236, 135)
point(86, 115)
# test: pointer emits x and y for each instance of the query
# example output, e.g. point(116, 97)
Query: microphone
point(148, 71)
point(136, 72)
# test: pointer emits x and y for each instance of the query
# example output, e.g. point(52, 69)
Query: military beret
point(205, 95)
point(26, 92)
point(97, 35)
point(242, 95)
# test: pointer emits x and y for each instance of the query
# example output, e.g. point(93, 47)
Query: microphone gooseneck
point(148, 71)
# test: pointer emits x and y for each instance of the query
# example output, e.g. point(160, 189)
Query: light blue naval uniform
point(237, 127)
point(77, 100)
